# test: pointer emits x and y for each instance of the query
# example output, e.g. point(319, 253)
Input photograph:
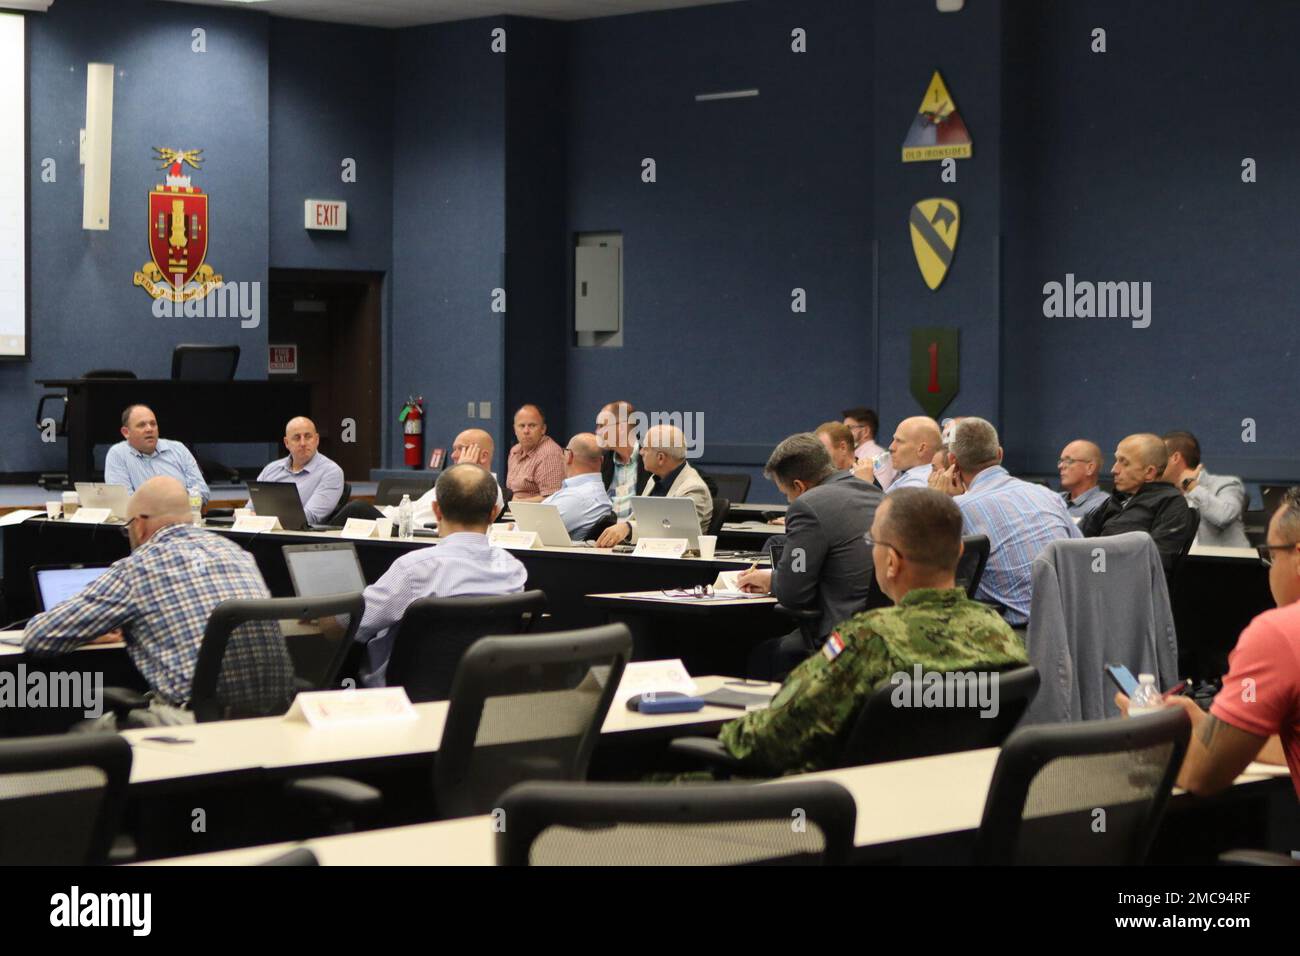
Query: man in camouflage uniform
point(916, 542)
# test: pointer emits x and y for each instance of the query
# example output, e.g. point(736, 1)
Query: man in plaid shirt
point(160, 598)
point(535, 466)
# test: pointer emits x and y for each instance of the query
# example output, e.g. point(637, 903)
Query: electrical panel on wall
point(598, 289)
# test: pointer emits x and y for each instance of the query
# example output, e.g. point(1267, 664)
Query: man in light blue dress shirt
point(1080, 468)
point(910, 454)
point(319, 480)
point(582, 499)
point(1018, 517)
point(143, 455)
point(463, 563)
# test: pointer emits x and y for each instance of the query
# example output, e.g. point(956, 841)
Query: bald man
point(911, 454)
point(1080, 469)
point(663, 453)
point(160, 598)
point(582, 499)
point(1144, 501)
point(535, 466)
point(319, 480)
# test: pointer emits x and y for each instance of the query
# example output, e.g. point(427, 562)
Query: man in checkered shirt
point(160, 598)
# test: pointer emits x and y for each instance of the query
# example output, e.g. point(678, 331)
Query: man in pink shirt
point(1256, 716)
point(535, 466)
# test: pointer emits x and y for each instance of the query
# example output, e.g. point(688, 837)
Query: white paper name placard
point(661, 547)
point(257, 523)
point(323, 709)
point(358, 528)
point(514, 539)
point(643, 676)
point(91, 515)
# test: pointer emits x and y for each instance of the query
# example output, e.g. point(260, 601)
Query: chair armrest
point(708, 751)
point(121, 700)
point(346, 804)
point(1256, 858)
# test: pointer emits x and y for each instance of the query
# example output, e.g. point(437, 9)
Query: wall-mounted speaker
point(97, 146)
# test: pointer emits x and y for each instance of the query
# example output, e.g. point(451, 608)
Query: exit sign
point(284, 358)
point(326, 214)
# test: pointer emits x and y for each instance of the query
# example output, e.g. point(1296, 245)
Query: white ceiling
point(410, 13)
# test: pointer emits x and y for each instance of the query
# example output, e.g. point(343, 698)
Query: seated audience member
point(143, 455)
point(581, 499)
point(319, 480)
point(1018, 517)
point(864, 424)
point(911, 453)
point(535, 467)
point(160, 598)
point(1220, 500)
point(1256, 716)
point(621, 467)
point(671, 476)
point(463, 563)
point(1080, 467)
point(915, 541)
point(837, 439)
point(1143, 500)
point(825, 563)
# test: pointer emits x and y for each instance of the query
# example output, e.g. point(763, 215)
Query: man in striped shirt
point(1018, 517)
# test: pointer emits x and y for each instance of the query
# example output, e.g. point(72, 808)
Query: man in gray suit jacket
point(1220, 499)
point(825, 564)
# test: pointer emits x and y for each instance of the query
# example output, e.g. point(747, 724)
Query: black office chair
point(526, 708)
point(721, 511)
point(61, 419)
point(228, 685)
point(970, 568)
point(733, 487)
point(298, 856)
point(1256, 858)
point(1189, 538)
point(1053, 782)
point(599, 527)
point(435, 633)
point(576, 824)
point(1271, 496)
point(61, 798)
point(345, 497)
point(390, 490)
point(207, 363)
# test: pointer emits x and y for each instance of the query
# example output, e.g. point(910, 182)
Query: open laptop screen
point(318, 569)
point(54, 585)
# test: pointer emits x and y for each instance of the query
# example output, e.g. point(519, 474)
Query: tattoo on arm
point(1209, 729)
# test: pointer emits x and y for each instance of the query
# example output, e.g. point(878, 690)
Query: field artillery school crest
point(178, 233)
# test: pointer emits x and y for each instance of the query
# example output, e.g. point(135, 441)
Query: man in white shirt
point(864, 423)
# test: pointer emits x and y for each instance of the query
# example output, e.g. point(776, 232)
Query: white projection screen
point(13, 186)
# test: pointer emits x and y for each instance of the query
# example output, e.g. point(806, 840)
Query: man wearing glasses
point(582, 499)
point(1256, 716)
point(915, 542)
point(160, 598)
point(1080, 469)
point(864, 424)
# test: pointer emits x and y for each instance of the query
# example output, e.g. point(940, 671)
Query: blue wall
point(85, 311)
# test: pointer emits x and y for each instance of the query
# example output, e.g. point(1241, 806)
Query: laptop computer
point(320, 569)
point(96, 494)
point(280, 498)
point(666, 518)
point(546, 521)
point(55, 583)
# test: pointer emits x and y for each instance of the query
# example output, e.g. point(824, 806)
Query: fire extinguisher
point(413, 431)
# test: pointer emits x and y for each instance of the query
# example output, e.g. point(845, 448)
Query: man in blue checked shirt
point(463, 563)
point(319, 479)
point(160, 598)
point(582, 498)
point(143, 455)
point(1018, 517)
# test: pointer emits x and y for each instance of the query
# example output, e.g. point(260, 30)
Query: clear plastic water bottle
point(405, 517)
point(196, 506)
point(1146, 699)
point(880, 461)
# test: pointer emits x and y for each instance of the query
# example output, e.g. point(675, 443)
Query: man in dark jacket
point(622, 471)
point(1142, 501)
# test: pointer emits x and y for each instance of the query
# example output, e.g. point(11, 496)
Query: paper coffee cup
point(708, 543)
point(53, 509)
point(71, 502)
point(384, 527)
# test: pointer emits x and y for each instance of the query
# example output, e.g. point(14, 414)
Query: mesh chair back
point(245, 668)
point(559, 824)
point(204, 363)
point(1089, 793)
point(435, 633)
point(344, 498)
point(526, 708)
point(884, 731)
point(390, 490)
point(721, 511)
point(61, 798)
point(970, 567)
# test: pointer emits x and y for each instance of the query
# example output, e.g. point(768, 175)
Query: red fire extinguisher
point(413, 431)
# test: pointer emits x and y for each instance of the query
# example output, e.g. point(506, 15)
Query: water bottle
point(196, 506)
point(880, 461)
point(405, 517)
point(1146, 699)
